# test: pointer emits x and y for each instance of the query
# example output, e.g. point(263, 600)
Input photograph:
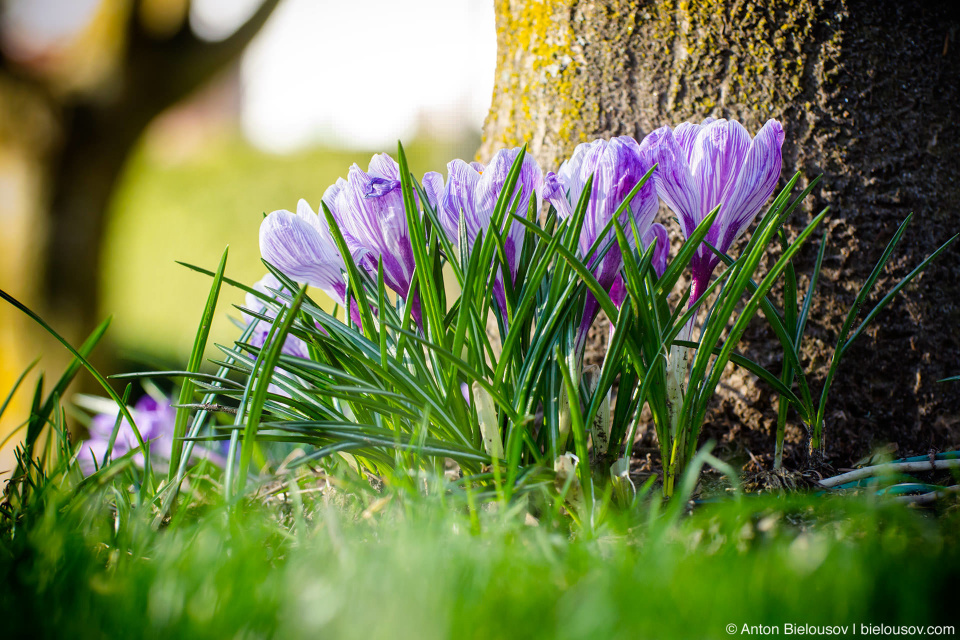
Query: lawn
point(329, 563)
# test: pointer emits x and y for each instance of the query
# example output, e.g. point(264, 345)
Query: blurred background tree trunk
point(157, 71)
point(68, 123)
point(867, 91)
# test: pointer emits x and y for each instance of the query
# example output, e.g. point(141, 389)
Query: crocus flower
point(617, 166)
point(301, 246)
point(715, 163)
point(155, 419)
point(473, 190)
point(368, 208)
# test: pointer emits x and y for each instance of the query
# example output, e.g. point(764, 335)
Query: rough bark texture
point(867, 91)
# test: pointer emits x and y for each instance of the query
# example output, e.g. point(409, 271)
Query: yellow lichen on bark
point(538, 94)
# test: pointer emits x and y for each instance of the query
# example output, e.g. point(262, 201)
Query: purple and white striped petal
point(674, 182)
point(754, 184)
point(617, 166)
point(301, 247)
point(715, 163)
point(686, 134)
point(529, 185)
point(718, 153)
point(555, 192)
point(383, 166)
point(271, 287)
point(368, 208)
point(472, 191)
point(433, 187)
point(660, 253)
point(458, 198)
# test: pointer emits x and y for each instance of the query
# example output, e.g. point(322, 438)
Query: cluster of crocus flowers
point(698, 167)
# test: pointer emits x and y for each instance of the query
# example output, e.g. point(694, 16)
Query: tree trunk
point(867, 93)
point(156, 73)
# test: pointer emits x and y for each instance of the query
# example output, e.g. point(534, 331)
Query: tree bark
point(867, 91)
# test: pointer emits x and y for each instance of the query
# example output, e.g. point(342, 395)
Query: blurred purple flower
point(368, 208)
point(155, 420)
point(270, 286)
point(715, 163)
point(617, 165)
point(473, 190)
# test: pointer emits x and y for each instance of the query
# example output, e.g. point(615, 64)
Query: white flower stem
point(677, 370)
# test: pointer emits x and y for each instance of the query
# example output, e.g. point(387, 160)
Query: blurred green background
point(172, 206)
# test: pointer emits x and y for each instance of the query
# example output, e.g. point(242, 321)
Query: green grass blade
point(603, 298)
point(382, 305)
point(448, 248)
point(784, 328)
point(567, 368)
point(353, 274)
point(236, 284)
point(116, 428)
point(893, 292)
point(16, 385)
point(80, 359)
point(526, 306)
point(705, 393)
point(266, 362)
point(808, 298)
point(193, 366)
point(418, 240)
point(753, 367)
point(848, 325)
point(676, 267)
